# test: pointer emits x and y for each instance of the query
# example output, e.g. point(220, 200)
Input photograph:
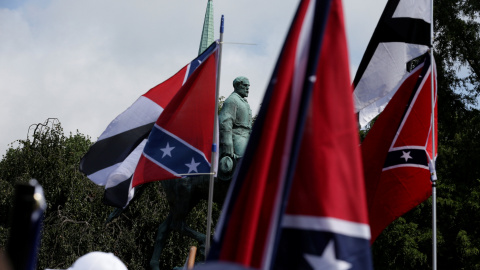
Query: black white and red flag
point(297, 200)
point(111, 161)
point(397, 151)
point(401, 35)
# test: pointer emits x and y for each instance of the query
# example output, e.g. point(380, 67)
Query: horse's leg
point(199, 191)
point(115, 213)
point(118, 210)
point(162, 235)
point(178, 192)
point(198, 236)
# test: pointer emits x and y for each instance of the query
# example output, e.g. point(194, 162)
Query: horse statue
point(235, 123)
point(182, 196)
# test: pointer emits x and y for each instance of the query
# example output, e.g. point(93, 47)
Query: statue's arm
point(226, 119)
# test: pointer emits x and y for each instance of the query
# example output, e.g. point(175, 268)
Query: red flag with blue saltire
point(180, 142)
point(397, 151)
point(297, 200)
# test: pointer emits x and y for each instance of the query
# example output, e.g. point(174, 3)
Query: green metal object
point(207, 32)
point(235, 123)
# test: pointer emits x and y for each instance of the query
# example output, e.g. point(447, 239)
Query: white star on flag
point(406, 155)
point(192, 166)
point(327, 260)
point(167, 151)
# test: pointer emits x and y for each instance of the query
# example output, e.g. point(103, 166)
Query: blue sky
point(84, 62)
point(11, 4)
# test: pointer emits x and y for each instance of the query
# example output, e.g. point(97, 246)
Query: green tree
point(74, 223)
point(407, 242)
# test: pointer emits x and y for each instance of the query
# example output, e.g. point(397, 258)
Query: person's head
point(241, 86)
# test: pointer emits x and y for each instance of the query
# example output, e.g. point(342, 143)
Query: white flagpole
point(433, 165)
point(215, 146)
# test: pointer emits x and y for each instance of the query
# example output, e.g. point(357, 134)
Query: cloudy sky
point(84, 62)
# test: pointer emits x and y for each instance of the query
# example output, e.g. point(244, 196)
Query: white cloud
point(84, 62)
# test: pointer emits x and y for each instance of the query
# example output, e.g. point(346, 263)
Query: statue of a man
point(235, 123)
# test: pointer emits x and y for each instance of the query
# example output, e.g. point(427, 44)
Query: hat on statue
point(226, 167)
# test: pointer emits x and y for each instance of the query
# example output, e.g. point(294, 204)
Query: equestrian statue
point(235, 124)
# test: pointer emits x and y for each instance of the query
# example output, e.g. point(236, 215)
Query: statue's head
point(241, 86)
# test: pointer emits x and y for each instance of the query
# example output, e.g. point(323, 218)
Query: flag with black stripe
point(397, 150)
point(111, 161)
point(401, 36)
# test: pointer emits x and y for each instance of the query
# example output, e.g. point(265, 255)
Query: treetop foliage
point(75, 218)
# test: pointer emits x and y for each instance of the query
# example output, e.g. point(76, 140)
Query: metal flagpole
point(433, 165)
point(434, 179)
point(214, 146)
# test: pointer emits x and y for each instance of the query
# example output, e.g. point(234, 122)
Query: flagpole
point(433, 178)
point(433, 174)
point(214, 146)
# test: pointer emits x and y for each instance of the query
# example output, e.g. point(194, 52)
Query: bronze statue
point(235, 122)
